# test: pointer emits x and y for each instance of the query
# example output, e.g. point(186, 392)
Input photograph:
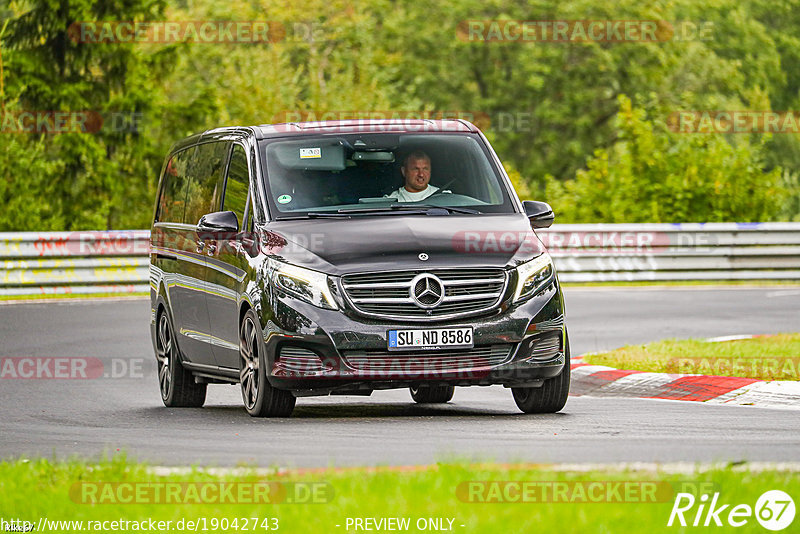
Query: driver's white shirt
point(404, 195)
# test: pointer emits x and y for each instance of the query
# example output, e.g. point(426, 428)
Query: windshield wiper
point(419, 209)
point(466, 211)
point(348, 212)
point(385, 209)
point(404, 209)
point(313, 215)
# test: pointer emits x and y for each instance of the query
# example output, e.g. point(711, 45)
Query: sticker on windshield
point(307, 153)
point(284, 199)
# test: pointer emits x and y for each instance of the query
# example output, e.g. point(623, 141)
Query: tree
point(652, 175)
point(101, 173)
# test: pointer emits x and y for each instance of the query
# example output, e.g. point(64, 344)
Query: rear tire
point(177, 385)
point(432, 394)
point(260, 398)
point(552, 395)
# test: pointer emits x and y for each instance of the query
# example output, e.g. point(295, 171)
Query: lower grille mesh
point(420, 361)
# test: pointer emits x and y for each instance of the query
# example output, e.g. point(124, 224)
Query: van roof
point(365, 126)
point(285, 129)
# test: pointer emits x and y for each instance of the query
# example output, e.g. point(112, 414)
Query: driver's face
point(417, 174)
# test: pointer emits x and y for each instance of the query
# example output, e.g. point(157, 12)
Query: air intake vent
point(299, 359)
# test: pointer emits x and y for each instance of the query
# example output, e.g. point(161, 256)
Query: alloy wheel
point(164, 354)
point(248, 374)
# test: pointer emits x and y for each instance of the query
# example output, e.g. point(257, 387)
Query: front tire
point(551, 396)
point(432, 394)
point(260, 398)
point(177, 385)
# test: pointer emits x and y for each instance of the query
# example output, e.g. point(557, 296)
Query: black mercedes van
point(343, 257)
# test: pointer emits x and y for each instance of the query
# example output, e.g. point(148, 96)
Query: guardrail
point(681, 251)
point(33, 263)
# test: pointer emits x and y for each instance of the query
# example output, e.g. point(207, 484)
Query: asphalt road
point(124, 413)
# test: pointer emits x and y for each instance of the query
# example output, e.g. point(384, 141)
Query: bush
point(653, 175)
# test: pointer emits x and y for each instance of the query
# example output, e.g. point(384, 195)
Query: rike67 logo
point(774, 510)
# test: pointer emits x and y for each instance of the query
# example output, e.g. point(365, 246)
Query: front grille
point(387, 294)
point(413, 363)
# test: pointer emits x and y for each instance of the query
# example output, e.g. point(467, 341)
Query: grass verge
point(764, 358)
point(453, 494)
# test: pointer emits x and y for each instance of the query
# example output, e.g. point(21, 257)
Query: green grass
point(61, 296)
point(765, 358)
point(39, 488)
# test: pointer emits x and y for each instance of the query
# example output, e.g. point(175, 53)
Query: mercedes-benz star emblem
point(427, 291)
point(423, 256)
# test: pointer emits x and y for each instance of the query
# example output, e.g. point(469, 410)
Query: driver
point(416, 172)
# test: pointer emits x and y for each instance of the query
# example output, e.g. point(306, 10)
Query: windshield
point(339, 175)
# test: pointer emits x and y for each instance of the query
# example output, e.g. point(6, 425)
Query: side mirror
point(539, 213)
point(218, 222)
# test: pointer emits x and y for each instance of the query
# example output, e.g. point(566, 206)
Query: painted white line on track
point(749, 406)
point(720, 339)
point(774, 394)
point(678, 468)
point(784, 293)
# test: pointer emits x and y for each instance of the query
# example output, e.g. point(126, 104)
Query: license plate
point(429, 339)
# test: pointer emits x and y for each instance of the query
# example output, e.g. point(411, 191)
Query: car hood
point(393, 242)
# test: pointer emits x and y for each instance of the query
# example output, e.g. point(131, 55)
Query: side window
point(205, 173)
point(172, 204)
point(237, 184)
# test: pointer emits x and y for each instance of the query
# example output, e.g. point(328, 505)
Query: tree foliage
point(649, 175)
point(566, 118)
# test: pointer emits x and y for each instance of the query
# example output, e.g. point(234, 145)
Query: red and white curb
point(602, 381)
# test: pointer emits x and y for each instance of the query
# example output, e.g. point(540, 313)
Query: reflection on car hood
point(392, 242)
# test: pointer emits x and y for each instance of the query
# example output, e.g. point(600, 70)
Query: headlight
point(533, 275)
point(305, 284)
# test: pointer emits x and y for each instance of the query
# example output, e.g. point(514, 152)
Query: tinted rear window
point(172, 204)
point(203, 192)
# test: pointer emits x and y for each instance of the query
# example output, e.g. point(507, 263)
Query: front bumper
point(312, 351)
